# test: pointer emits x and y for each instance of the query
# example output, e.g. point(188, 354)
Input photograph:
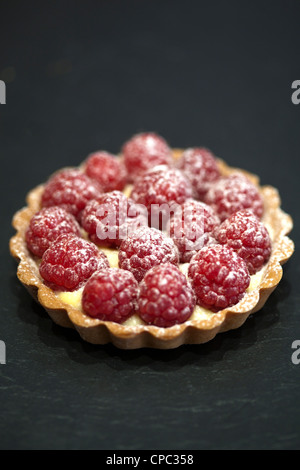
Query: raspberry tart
point(156, 247)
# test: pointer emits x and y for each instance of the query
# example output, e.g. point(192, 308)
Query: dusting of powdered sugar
point(276, 221)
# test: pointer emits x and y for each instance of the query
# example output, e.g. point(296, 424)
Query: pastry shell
point(139, 336)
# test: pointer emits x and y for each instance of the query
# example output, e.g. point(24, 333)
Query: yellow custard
point(74, 298)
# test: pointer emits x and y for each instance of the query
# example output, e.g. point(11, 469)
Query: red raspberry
point(244, 232)
point(158, 190)
point(70, 189)
point(219, 277)
point(110, 295)
point(144, 151)
point(107, 170)
point(191, 228)
point(234, 193)
point(70, 261)
point(201, 168)
point(46, 225)
point(109, 218)
point(166, 297)
point(145, 248)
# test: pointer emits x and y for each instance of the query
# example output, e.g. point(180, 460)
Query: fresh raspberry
point(107, 170)
point(109, 218)
point(46, 225)
point(201, 168)
point(70, 189)
point(192, 227)
point(166, 297)
point(244, 232)
point(219, 277)
point(144, 151)
point(70, 261)
point(159, 190)
point(110, 295)
point(145, 248)
point(234, 193)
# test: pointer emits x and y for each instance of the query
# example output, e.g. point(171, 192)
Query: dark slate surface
point(87, 75)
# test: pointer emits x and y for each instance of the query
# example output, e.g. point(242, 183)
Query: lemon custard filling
point(74, 298)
